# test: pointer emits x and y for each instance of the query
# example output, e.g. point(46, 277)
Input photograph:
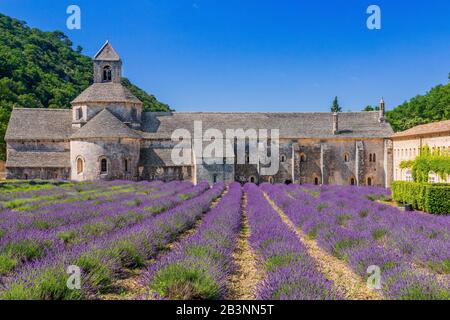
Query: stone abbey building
point(107, 135)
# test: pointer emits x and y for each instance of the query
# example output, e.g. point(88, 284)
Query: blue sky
point(255, 55)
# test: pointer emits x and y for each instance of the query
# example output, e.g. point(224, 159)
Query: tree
point(41, 70)
point(432, 107)
point(335, 106)
point(371, 108)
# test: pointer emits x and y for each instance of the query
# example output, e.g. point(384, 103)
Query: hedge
point(432, 198)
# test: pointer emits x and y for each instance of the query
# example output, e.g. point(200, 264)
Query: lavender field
point(154, 240)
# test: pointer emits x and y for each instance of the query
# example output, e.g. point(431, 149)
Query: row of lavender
point(410, 249)
point(24, 201)
point(77, 223)
point(199, 266)
point(289, 271)
point(103, 257)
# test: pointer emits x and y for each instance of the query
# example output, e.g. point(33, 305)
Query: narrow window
point(374, 157)
point(370, 157)
point(346, 157)
point(247, 159)
point(215, 178)
point(127, 168)
point(107, 74)
point(80, 166)
point(283, 158)
point(79, 114)
point(133, 114)
point(103, 166)
point(302, 157)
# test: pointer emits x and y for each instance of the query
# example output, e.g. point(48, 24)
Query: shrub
point(437, 199)
point(432, 198)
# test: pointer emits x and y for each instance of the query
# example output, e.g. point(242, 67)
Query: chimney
point(335, 123)
point(381, 112)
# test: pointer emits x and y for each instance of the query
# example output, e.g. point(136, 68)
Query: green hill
point(41, 70)
point(431, 107)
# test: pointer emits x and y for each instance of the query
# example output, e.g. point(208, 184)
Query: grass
point(280, 260)
point(342, 219)
point(379, 233)
point(341, 246)
point(180, 281)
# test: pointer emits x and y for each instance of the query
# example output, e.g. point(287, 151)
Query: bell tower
point(107, 65)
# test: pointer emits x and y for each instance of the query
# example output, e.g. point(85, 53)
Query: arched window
point(103, 166)
point(352, 181)
point(247, 159)
point(370, 157)
point(271, 180)
point(374, 157)
point(283, 158)
point(80, 165)
point(302, 157)
point(252, 179)
point(369, 181)
point(346, 157)
point(107, 74)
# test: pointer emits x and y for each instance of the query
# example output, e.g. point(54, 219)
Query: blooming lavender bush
point(409, 248)
point(102, 258)
point(27, 242)
point(199, 266)
point(290, 272)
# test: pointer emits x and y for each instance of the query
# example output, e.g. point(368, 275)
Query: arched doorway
point(316, 181)
point(369, 181)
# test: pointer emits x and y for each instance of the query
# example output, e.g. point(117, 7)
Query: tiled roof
point(156, 158)
point(108, 92)
point(18, 159)
point(424, 129)
point(39, 124)
point(291, 125)
point(105, 125)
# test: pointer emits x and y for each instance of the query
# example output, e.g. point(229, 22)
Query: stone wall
point(123, 111)
point(38, 173)
point(166, 174)
point(115, 151)
point(215, 172)
point(116, 70)
point(339, 161)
